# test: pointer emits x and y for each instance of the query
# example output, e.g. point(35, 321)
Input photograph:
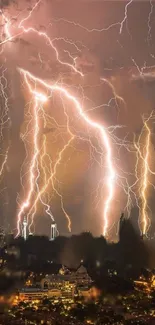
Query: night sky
point(112, 46)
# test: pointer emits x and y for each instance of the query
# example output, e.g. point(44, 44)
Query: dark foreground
point(137, 308)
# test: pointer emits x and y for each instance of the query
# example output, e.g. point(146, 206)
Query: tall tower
point(53, 231)
point(25, 228)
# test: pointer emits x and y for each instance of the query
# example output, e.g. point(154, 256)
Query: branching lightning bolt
point(95, 125)
point(39, 176)
point(143, 152)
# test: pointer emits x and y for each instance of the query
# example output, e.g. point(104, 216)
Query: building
point(79, 277)
point(32, 294)
point(29, 294)
point(24, 230)
point(84, 292)
point(54, 293)
point(65, 286)
point(54, 231)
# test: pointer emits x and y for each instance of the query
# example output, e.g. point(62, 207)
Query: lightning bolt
point(99, 30)
point(125, 15)
point(143, 152)
point(39, 97)
point(38, 175)
point(149, 21)
point(4, 118)
point(145, 218)
point(33, 165)
point(102, 131)
point(4, 162)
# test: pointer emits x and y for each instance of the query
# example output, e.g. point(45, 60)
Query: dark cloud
point(5, 3)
